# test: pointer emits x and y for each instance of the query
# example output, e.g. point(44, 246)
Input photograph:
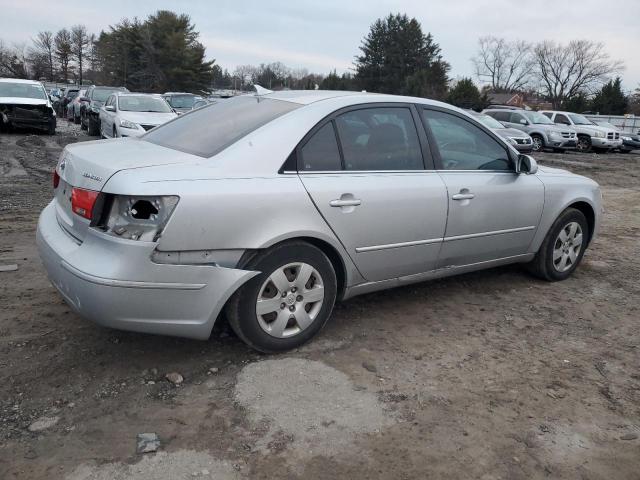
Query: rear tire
point(562, 248)
point(274, 316)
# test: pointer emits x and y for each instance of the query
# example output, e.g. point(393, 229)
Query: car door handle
point(463, 196)
point(351, 202)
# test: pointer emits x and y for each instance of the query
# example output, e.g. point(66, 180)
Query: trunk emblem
point(92, 176)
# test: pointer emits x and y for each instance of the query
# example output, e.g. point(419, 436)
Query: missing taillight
point(82, 202)
point(56, 179)
point(143, 210)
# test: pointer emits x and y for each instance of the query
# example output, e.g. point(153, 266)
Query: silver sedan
point(269, 208)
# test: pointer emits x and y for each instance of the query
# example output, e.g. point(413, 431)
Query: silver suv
point(590, 135)
point(544, 132)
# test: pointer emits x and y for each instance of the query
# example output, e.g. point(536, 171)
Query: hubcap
point(289, 300)
point(537, 143)
point(567, 247)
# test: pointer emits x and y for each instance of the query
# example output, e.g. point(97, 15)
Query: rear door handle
point(463, 196)
point(352, 202)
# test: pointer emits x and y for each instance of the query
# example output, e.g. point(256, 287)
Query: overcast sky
point(322, 35)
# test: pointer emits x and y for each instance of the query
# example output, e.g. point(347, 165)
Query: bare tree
point(505, 65)
point(243, 73)
point(43, 49)
point(62, 43)
point(79, 46)
point(566, 70)
point(12, 61)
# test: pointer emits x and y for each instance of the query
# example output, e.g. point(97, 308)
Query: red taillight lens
point(56, 179)
point(82, 202)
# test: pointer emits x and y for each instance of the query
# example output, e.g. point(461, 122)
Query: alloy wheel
point(567, 246)
point(537, 143)
point(290, 300)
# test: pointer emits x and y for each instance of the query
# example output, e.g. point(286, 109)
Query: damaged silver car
point(269, 208)
point(25, 104)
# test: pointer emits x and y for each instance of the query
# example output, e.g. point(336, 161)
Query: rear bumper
point(114, 283)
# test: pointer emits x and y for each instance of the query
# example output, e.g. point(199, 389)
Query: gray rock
point(147, 442)
point(43, 423)
point(175, 378)
point(370, 367)
point(629, 436)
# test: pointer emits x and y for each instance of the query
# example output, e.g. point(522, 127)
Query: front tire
point(584, 144)
point(92, 128)
point(562, 248)
point(538, 143)
point(288, 302)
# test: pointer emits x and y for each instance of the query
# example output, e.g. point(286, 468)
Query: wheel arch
point(589, 213)
point(332, 253)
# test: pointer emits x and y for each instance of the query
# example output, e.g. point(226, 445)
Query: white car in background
point(132, 114)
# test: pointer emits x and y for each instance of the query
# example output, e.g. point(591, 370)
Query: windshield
point(579, 119)
point(101, 95)
point(182, 101)
point(22, 90)
point(537, 117)
point(488, 121)
point(209, 130)
point(143, 103)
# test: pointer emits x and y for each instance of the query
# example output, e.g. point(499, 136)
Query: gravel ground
point(491, 375)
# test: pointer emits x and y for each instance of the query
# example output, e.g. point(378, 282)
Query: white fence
point(626, 123)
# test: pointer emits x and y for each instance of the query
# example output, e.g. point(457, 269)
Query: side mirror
point(110, 108)
point(526, 164)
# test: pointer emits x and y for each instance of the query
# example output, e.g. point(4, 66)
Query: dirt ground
point(491, 375)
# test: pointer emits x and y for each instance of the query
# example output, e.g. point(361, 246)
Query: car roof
point(20, 80)
point(307, 97)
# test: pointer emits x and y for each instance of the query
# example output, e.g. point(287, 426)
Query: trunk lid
point(89, 165)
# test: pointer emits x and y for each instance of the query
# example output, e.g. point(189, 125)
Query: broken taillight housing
point(135, 218)
point(82, 201)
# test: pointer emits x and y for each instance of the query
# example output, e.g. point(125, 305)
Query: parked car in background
point(272, 207)
point(518, 139)
point(72, 113)
point(25, 103)
point(544, 133)
point(181, 102)
point(76, 106)
point(90, 111)
point(589, 134)
point(69, 94)
point(132, 114)
point(630, 140)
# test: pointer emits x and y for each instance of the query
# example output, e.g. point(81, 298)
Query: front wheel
point(584, 144)
point(92, 128)
point(288, 302)
point(538, 143)
point(562, 248)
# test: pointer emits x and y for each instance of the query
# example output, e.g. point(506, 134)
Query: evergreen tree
point(610, 100)
point(466, 95)
point(156, 55)
point(398, 58)
point(578, 103)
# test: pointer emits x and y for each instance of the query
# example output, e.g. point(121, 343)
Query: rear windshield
point(101, 94)
point(213, 128)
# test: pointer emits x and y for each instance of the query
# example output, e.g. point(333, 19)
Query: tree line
point(163, 52)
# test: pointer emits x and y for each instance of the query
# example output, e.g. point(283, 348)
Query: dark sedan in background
point(90, 107)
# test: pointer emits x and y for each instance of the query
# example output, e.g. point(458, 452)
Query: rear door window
point(321, 152)
point(383, 138)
